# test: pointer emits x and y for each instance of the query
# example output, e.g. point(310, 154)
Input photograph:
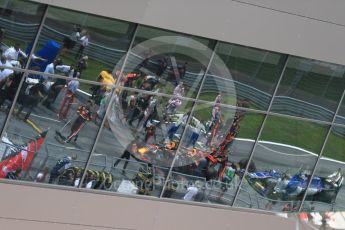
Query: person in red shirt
point(84, 115)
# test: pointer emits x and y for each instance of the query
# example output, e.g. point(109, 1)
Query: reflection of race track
point(267, 156)
point(47, 119)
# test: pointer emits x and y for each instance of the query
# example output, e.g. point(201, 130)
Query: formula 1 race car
point(276, 185)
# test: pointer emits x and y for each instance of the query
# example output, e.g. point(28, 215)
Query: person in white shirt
point(35, 58)
point(90, 184)
point(50, 68)
point(64, 68)
point(41, 176)
point(67, 70)
point(191, 192)
point(70, 41)
point(13, 52)
point(5, 73)
point(76, 182)
point(218, 99)
point(179, 90)
point(84, 41)
point(75, 36)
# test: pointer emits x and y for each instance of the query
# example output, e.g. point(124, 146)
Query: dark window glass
point(310, 89)
point(242, 74)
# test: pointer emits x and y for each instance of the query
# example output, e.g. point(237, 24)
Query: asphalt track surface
point(113, 142)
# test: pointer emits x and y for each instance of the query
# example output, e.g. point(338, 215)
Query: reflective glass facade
point(98, 103)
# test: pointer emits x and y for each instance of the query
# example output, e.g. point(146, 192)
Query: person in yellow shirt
point(106, 78)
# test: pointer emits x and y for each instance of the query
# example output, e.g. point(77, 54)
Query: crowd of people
point(41, 88)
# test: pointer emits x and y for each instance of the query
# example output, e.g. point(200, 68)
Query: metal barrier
point(19, 31)
point(159, 177)
point(265, 203)
point(98, 162)
point(245, 198)
point(124, 174)
point(219, 192)
point(183, 181)
point(337, 207)
point(56, 152)
point(310, 206)
point(21, 137)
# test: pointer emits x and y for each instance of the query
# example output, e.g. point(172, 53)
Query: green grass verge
point(335, 147)
point(306, 135)
point(250, 126)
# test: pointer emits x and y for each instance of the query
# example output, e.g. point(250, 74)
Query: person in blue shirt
point(176, 125)
point(61, 165)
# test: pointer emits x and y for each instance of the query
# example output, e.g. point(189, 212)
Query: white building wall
point(307, 28)
point(30, 207)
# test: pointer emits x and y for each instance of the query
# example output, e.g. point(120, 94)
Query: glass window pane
point(165, 59)
point(19, 23)
point(282, 163)
point(67, 129)
point(139, 141)
point(327, 192)
point(87, 43)
point(214, 132)
point(243, 74)
point(310, 88)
